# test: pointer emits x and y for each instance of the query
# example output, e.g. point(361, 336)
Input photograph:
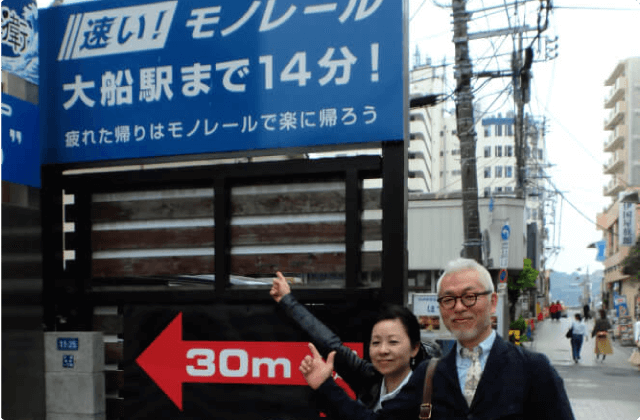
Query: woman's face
point(390, 348)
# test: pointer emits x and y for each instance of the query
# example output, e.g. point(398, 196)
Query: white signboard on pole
point(505, 233)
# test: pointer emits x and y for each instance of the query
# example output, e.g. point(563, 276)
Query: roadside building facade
point(618, 221)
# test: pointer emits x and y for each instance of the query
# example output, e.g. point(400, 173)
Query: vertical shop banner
point(20, 142)
point(170, 78)
point(627, 219)
point(20, 39)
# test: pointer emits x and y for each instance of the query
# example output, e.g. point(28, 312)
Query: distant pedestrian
point(587, 312)
point(601, 333)
point(553, 310)
point(636, 337)
point(579, 331)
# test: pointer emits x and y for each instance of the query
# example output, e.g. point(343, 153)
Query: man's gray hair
point(461, 264)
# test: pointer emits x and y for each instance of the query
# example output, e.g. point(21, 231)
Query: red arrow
point(169, 361)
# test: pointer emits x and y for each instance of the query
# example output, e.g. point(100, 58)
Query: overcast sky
point(593, 36)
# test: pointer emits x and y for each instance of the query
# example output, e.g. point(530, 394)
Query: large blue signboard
point(20, 38)
point(169, 78)
point(20, 142)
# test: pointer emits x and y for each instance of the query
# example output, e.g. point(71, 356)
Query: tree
point(526, 280)
point(631, 263)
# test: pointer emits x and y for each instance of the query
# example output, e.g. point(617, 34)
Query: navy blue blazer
point(515, 384)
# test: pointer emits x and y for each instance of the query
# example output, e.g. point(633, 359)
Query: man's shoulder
point(528, 356)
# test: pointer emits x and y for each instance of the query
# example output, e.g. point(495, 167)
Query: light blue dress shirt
point(463, 364)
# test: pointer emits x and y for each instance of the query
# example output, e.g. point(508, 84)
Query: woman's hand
point(280, 287)
point(314, 369)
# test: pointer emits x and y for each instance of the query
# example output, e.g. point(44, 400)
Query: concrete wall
point(436, 231)
point(75, 377)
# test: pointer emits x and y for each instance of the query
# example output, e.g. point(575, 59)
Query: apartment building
point(622, 123)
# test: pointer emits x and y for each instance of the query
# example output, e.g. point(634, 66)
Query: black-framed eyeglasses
point(468, 299)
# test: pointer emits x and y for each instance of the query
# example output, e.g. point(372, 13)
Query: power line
point(609, 9)
point(416, 12)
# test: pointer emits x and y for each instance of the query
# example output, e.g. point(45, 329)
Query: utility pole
point(466, 133)
point(521, 91)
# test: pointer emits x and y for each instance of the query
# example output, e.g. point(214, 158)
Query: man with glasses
point(484, 376)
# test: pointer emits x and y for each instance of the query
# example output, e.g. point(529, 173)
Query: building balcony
point(616, 139)
point(615, 116)
point(613, 188)
point(616, 93)
point(615, 164)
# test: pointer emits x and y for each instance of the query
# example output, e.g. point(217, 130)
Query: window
point(487, 172)
point(487, 131)
point(498, 151)
point(498, 189)
point(499, 130)
point(508, 171)
point(456, 172)
point(455, 152)
point(510, 130)
point(487, 191)
point(487, 151)
point(508, 189)
point(540, 154)
point(508, 151)
point(498, 171)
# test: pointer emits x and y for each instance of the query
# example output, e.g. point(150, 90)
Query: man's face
point(469, 325)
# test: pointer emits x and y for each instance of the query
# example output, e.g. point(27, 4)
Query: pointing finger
point(314, 351)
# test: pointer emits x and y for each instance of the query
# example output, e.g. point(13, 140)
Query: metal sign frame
point(67, 293)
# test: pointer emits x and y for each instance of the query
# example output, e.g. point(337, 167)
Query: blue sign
point(505, 232)
point(601, 246)
point(620, 305)
point(68, 344)
point(171, 78)
point(20, 142)
point(68, 361)
point(20, 39)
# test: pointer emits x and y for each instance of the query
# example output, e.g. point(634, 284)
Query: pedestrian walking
point(601, 333)
point(553, 310)
point(579, 333)
point(635, 356)
point(587, 312)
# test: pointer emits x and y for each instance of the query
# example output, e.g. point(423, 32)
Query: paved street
point(609, 390)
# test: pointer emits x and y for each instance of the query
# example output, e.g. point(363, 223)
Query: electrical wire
point(416, 12)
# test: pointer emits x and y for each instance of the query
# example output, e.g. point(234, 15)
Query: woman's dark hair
point(408, 319)
point(579, 317)
point(603, 313)
point(411, 327)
